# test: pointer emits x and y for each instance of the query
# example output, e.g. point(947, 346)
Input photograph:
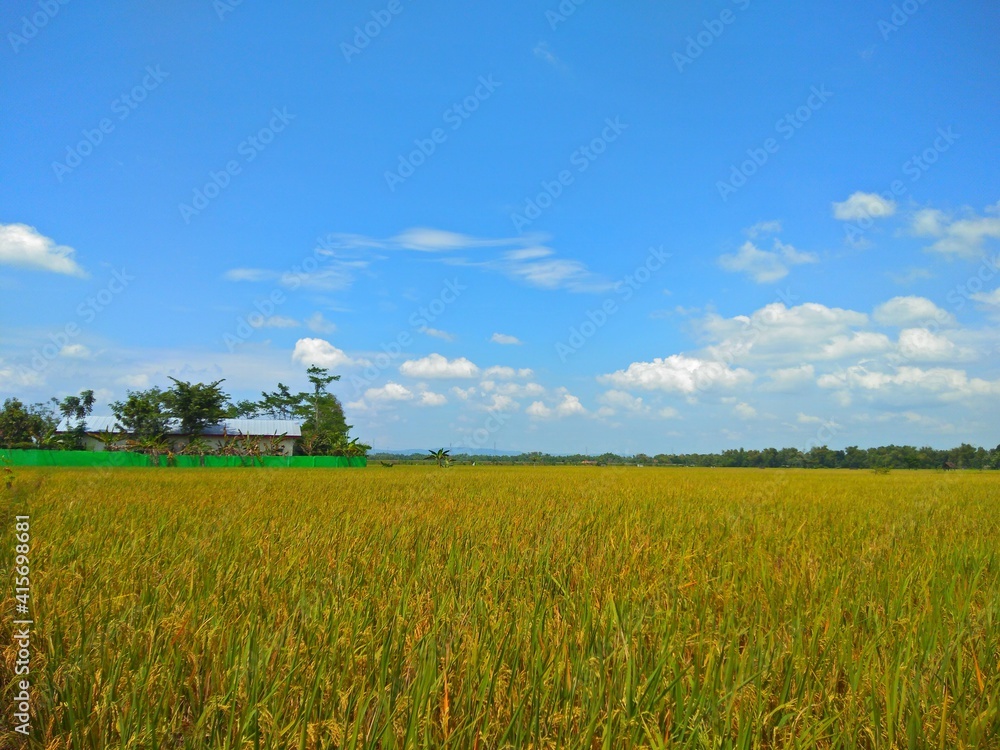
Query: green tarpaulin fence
point(123, 458)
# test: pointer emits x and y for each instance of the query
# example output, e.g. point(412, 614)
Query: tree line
point(145, 418)
point(964, 456)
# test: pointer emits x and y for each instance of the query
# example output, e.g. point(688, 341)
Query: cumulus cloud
point(779, 334)
point(429, 398)
point(24, 247)
point(568, 405)
point(389, 393)
point(923, 345)
point(946, 383)
point(743, 410)
point(678, 373)
point(907, 311)
point(503, 338)
point(963, 237)
point(864, 206)
point(623, 401)
point(323, 353)
point(437, 366)
point(765, 266)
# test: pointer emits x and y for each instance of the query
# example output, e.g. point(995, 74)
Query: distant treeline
point(964, 456)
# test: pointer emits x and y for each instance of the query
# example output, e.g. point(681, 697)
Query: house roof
point(257, 427)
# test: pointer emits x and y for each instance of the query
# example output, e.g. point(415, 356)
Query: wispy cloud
point(524, 258)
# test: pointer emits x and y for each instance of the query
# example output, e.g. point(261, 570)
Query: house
point(287, 430)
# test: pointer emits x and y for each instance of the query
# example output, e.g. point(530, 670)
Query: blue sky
point(660, 227)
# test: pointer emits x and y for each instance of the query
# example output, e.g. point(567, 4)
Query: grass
point(494, 607)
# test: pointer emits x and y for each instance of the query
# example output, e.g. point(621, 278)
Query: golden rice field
point(489, 607)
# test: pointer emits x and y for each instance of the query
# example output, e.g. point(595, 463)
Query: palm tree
point(442, 456)
point(108, 439)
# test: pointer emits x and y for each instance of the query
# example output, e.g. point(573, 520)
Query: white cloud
point(568, 406)
point(507, 373)
point(277, 321)
point(23, 247)
point(679, 373)
point(539, 410)
point(964, 237)
point(429, 398)
point(779, 334)
point(922, 345)
point(623, 401)
point(138, 380)
point(464, 393)
point(323, 353)
point(75, 351)
point(668, 412)
point(864, 206)
point(500, 402)
point(855, 345)
point(906, 311)
point(784, 380)
point(438, 334)
point(947, 383)
point(745, 411)
point(248, 274)
point(437, 366)
point(503, 338)
point(429, 240)
point(765, 266)
point(388, 393)
point(990, 299)
point(764, 227)
point(807, 419)
point(319, 324)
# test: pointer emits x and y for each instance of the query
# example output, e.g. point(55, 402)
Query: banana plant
point(442, 456)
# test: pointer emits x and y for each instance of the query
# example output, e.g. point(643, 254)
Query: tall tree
point(75, 410)
point(196, 405)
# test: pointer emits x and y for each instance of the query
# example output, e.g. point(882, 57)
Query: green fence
point(123, 458)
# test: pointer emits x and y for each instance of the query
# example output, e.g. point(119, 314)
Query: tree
point(142, 414)
point(25, 426)
point(243, 409)
point(281, 404)
point(75, 410)
point(324, 425)
point(195, 405)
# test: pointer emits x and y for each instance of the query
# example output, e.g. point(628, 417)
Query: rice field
point(492, 607)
